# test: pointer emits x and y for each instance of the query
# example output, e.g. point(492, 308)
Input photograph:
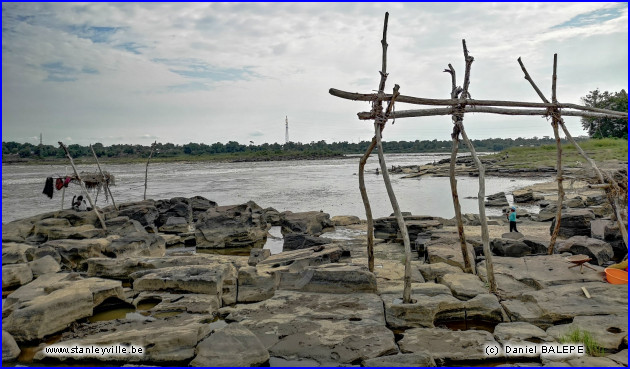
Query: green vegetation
point(577, 335)
point(606, 127)
point(233, 151)
point(599, 150)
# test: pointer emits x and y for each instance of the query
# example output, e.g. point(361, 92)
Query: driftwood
point(555, 123)
point(477, 103)
point(482, 109)
point(468, 266)
point(366, 205)
point(98, 215)
point(146, 172)
point(106, 185)
point(614, 202)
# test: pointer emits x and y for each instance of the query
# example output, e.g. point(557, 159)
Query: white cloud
point(208, 72)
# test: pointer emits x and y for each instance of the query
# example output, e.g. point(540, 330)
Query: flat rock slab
point(191, 303)
point(330, 278)
point(218, 280)
point(136, 244)
point(598, 250)
point(557, 304)
point(14, 252)
point(537, 271)
point(448, 346)
point(621, 357)
point(520, 332)
point(233, 346)
point(449, 253)
point(74, 253)
point(10, 349)
point(328, 328)
point(417, 359)
point(432, 272)
point(170, 340)
point(300, 259)
point(608, 330)
point(428, 310)
point(52, 302)
point(15, 275)
point(464, 286)
point(123, 268)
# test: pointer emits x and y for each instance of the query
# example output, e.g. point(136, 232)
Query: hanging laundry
point(67, 181)
point(58, 184)
point(48, 187)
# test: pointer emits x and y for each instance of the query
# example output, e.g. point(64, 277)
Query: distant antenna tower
point(40, 139)
point(286, 135)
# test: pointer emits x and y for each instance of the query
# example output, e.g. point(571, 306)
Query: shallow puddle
point(275, 240)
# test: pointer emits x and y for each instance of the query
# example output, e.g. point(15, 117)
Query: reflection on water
point(275, 241)
point(303, 185)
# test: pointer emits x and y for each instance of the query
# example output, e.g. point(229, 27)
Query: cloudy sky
point(212, 72)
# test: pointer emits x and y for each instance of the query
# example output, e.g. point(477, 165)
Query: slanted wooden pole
point(104, 180)
point(554, 123)
point(614, 202)
point(468, 266)
point(63, 189)
point(485, 236)
point(366, 205)
point(76, 173)
point(146, 172)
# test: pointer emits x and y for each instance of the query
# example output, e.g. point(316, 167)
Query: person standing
point(512, 218)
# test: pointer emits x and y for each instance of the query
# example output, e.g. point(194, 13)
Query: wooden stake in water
point(106, 182)
point(146, 172)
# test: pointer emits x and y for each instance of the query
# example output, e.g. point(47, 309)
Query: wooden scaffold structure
point(457, 106)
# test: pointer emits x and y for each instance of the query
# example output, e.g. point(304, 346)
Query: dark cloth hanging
point(67, 181)
point(59, 184)
point(48, 187)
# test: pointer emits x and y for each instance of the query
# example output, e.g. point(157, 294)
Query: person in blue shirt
point(512, 218)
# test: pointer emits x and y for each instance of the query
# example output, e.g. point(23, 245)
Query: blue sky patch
point(132, 47)
point(95, 34)
point(189, 87)
point(594, 17)
point(58, 72)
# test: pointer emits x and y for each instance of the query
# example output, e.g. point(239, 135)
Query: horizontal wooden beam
point(478, 109)
point(471, 102)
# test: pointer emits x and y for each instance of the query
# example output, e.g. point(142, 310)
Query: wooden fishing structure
point(457, 106)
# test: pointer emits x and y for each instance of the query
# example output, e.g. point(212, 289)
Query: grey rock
point(258, 255)
point(417, 359)
point(464, 286)
point(297, 241)
point(14, 253)
point(254, 285)
point(191, 303)
point(144, 212)
point(607, 230)
point(45, 265)
point(311, 222)
point(163, 340)
point(621, 357)
point(232, 345)
point(574, 222)
point(51, 303)
point(174, 225)
point(74, 253)
point(218, 280)
point(515, 248)
point(497, 199)
point(10, 349)
point(449, 253)
point(556, 304)
point(607, 330)
point(448, 346)
point(234, 226)
point(521, 196)
point(345, 220)
point(271, 216)
point(387, 228)
point(335, 328)
point(520, 332)
point(136, 244)
point(600, 251)
point(329, 278)
point(432, 272)
point(15, 275)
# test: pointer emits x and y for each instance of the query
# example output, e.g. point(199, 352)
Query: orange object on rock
point(616, 276)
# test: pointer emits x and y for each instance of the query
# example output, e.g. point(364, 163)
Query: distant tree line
point(319, 148)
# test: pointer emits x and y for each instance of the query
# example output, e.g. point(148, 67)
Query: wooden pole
point(475, 104)
point(104, 180)
point(559, 179)
point(366, 205)
point(485, 236)
point(614, 202)
point(453, 180)
point(98, 215)
point(146, 173)
point(63, 189)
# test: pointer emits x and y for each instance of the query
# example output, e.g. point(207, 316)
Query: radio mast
point(286, 135)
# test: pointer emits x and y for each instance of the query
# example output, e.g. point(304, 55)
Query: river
point(330, 185)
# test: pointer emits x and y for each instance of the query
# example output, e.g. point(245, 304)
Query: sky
point(217, 72)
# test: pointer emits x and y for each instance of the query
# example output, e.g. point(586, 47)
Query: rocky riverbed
point(190, 283)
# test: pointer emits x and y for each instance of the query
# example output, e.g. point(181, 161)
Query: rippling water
point(304, 185)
